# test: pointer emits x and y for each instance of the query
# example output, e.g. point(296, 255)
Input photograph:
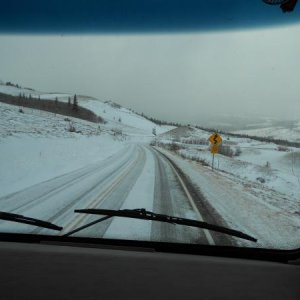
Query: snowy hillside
point(41, 141)
point(115, 114)
point(291, 134)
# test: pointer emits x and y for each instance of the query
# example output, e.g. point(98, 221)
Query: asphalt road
point(140, 177)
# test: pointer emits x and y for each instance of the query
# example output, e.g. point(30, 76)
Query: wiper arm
point(26, 220)
point(148, 215)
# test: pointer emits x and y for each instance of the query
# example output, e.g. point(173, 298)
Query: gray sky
point(170, 76)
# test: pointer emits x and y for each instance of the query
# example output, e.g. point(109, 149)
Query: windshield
point(183, 110)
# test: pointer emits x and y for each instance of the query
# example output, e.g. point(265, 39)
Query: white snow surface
point(27, 161)
point(36, 146)
point(258, 160)
point(276, 132)
point(15, 91)
point(117, 114)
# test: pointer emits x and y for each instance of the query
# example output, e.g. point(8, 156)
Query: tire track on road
point(92, 192)
point(106, 198)
point(173, 198)
point(201, 204)
point(71, 179)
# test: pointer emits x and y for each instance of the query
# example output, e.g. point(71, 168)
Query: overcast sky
point(169, 76)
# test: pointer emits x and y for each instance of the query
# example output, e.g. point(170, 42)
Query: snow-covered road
point(140, 177)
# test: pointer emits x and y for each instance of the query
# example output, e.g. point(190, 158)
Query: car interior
point(67, 264)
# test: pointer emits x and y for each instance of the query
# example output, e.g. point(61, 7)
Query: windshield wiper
point(148, 215)
point(26, 220)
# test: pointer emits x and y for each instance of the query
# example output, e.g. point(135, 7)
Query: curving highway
point(140, 177)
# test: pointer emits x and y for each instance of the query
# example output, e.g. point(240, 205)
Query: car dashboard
point(69, 270)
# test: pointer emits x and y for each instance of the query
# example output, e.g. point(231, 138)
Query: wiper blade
point(26, 220)
point(148, 215)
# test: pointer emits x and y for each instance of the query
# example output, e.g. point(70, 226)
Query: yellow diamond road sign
point(215, 139)
point(214, 149)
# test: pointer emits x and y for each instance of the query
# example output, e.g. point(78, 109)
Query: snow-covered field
point(291, 134)
point(36, 146)
point(278, 167)
point(259, 189)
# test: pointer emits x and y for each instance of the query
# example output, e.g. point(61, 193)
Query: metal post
point(213, 160)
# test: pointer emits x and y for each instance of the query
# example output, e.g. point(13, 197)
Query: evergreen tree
point(69, 101)
point(75, 103)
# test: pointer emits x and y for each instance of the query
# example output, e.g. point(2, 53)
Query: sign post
point(215, 140)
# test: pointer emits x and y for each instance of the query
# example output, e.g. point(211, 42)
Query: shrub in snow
point(226, 150)
point(174, 147)
point(153, 143)
point(195, 141)
point(194, 158)
point(21, 110)
point(117, 131)
point(71, 127)
point(282, 148)
point(266, 169)
point(231, 143)
point(268, 165)
point(238, 151)
point(261, 180)
point(113, 104)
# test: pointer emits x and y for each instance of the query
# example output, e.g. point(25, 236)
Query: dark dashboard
point(85, 269)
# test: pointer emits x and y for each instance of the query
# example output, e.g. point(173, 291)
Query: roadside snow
point(26, 161)
point(266, 164)
point(271, 217)
point(276, 169)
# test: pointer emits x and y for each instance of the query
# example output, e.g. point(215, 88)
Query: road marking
point(96, 202)
point(195, 208)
